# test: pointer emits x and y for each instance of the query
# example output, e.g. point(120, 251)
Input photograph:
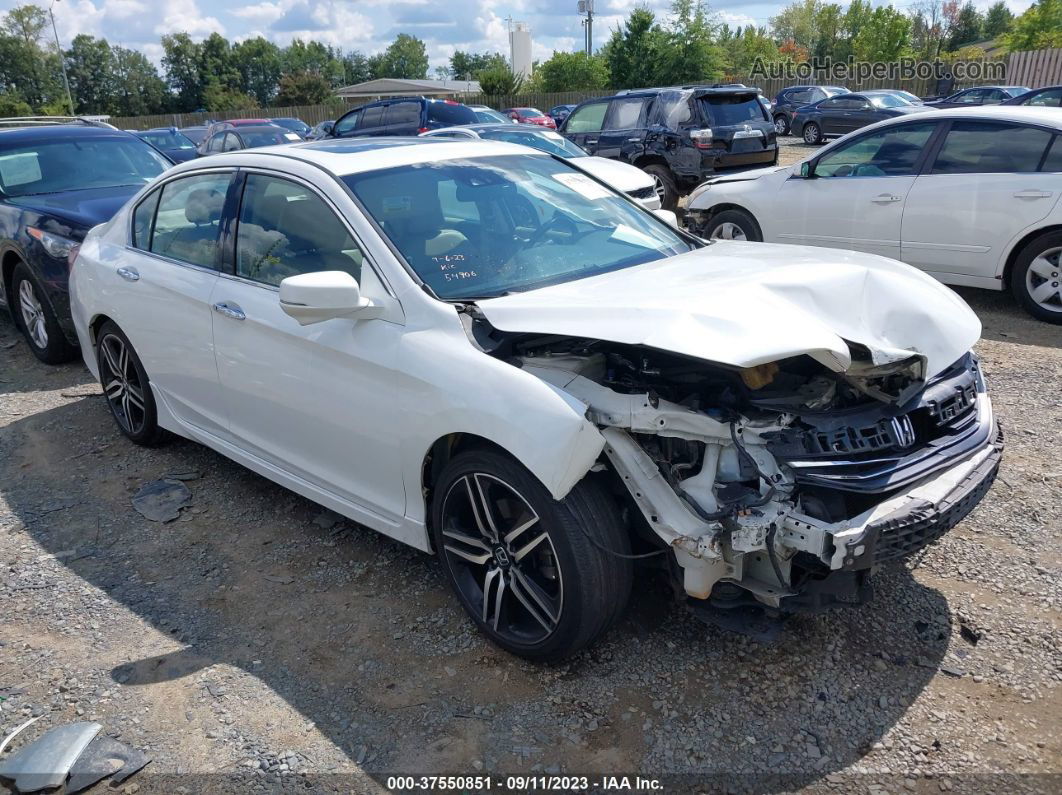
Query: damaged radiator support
point(752, 530)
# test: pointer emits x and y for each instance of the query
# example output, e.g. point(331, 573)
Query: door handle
point(591, 141)
point(886, 198)
point(1033, 194)
point(230, 310)
point(129, 274)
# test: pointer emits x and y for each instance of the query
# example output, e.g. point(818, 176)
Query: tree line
point(686, 45)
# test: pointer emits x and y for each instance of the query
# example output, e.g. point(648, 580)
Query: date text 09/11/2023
point(523, 783)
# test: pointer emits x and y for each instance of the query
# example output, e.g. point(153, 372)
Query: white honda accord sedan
point(487, 354)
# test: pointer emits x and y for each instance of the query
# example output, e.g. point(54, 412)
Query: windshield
point(55, 165)
point(529, 113)
point(733, 109)
point(482, 227)
point(887, 101)
point(167, 140)
point(546, 141)
point(253, 139)
point(292, 124)
point(488, 116)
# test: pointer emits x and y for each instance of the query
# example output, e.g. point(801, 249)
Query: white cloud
point(184, 16)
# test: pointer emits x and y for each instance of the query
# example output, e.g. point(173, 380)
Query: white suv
point(479, 350)
point(970, 196)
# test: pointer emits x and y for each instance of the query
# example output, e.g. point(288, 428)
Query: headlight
point(56, 245)
point(700, 190)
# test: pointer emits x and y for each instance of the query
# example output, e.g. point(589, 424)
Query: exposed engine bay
point(788, 480)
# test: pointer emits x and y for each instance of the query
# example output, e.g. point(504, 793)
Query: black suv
point(679, 135)
point(57, 181)
point(406, 116)
point(789, 99)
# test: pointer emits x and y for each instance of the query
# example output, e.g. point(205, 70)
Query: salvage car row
point(482, 350)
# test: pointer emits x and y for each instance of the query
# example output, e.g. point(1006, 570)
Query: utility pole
point(587, 7)
point(62, 60)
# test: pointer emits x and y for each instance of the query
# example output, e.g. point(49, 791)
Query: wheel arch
point(10, 259)
point(708, 214)
point(1018, 247)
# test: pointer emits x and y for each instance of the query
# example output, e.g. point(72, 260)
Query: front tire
point(1037, 277)
point(665, 185)
point(37, 321)
point(734, 225)
point(126, 387)
point(530, 571)
point(781, 124)
point(812, 133)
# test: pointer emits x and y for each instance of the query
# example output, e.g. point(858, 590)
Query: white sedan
point(970, 196)
point(480, 351)
point(624, 177)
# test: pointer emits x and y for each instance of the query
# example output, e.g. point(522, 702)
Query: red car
point(530, 116)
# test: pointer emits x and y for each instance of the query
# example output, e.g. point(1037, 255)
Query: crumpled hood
point(746, 176)
point(745, 304)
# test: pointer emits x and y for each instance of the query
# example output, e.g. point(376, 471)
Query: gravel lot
point(259, 641)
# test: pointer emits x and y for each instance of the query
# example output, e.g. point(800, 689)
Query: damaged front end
point(784, 484)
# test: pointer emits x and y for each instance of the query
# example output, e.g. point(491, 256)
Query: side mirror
point(667, 217)
point(807, 170)
point(316, 297)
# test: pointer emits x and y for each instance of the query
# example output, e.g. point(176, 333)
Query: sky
point(369, 25)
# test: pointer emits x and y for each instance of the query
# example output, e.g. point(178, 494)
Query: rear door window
point(1053, 161)
point(372, 116)
point(189, 219)
point(976, 147)
point(589, 118)
point(403, 114)
point(450, 113)
point(732, 109)
point(625, 114)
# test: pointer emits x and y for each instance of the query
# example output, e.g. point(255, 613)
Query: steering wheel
point(868, 170)
point(557, 223)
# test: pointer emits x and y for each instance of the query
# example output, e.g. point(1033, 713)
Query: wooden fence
point(1034, 69)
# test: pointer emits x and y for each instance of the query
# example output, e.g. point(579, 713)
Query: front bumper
point(899, 528)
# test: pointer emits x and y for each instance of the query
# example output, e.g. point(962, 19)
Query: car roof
point(58, 131)
point(343, 156)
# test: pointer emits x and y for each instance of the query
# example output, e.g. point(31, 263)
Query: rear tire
point(812, 133)
point(529, 570)
point(35, 318)
point(781, 124)
point(126, 387)
point(733, 225)
point(1036, 279)
point(665, 185)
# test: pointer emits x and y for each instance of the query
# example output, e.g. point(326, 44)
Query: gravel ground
point(259, 642)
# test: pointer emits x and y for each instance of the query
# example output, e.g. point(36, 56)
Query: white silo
point(520, 49)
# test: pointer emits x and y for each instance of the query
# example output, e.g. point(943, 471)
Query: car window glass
point(730, 109)
point(371, 117)
point(346, 124)
point(405, 113)
point(62, 164)
point(973, 147)
point(675, 110)
point(588, 118)
point(1048, 99)
point(232, 143)
point(993, 95)
point(286, 229)
point(189, 218)
point(625, 114)
point(142, 218)
point(449, 112)
point(1053, 161)
point(970, 97)
point(804, 97)
point(216, 142)
point(830, 104)
point(886, 153)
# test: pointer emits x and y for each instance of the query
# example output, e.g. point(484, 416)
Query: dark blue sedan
point(841, 114)
point(57, 181)
point(177, 146)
